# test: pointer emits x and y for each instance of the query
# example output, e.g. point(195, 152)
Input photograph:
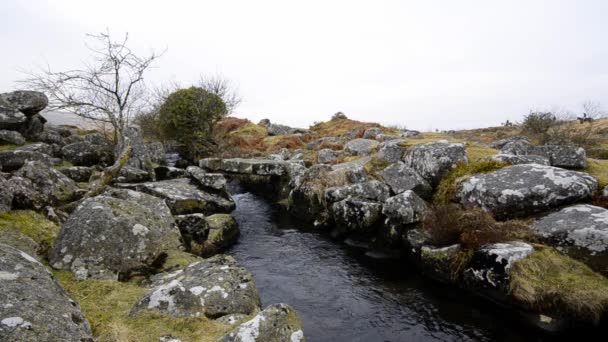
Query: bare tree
point(222, 87)
point(593, 110)
point(110, 89)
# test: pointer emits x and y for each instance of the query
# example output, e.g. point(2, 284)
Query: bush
point(188, 117)
point(538, 122)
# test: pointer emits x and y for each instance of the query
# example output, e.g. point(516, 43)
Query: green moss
point(32, 224)
point(447, 188)
point(550, 282)
point(375, 165)
point(476, 152)
point(106, 304)
point(177, 259)
point(8, 147)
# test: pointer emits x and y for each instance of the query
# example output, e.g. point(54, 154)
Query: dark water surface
point(341, 295)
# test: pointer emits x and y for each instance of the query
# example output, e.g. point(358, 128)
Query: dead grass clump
point(229, 124)
point(549, 281)
point(338, 127)
point(336, 146)
point(290, 142)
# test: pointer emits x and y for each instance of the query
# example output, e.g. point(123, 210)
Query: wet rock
point(193, 229)
point(14, 160)
point(489, 267)
point(566, 156)
point(277, 323)
point(34, 306)
point(130, 174)
point(6, 196)
point(520, 190)
point(214, 287)
point(86, 153)
point(326, 156)
point(372, 190)
point(214, 181)
point(115, 234)
point(371, 133)
point(436, 262)
point(579, 231)
point(360, 147)
point(434, 160)
point(26, 101)
point(401, 178)
point(184, 197)
point(53, 186)
point(169, 172)
point(19, 241)
point(499, 144)
point(11, 137)
point(80, 174)
point(356, 215)
point(516, 159)
point(405, 208)
point(391, 151)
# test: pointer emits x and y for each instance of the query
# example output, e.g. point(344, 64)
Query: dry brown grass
point(337, 127)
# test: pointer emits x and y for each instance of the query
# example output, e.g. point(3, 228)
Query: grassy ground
point(32, 224)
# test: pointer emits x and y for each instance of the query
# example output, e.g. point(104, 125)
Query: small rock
point(371, 133)
point(169, 172)
point(566, 156)
point(405, 208)
point(360, 147)
point(277, 323)
point(516, 159)
point(402, 178)
point(19, 241)
point(391, 151)
point(86, 153)
point(499, 144)
point(130, 174)
point(80, 174)
point(326, 156)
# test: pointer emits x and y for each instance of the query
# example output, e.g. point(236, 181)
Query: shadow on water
point(342, 295)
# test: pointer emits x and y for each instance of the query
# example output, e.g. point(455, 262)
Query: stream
point(342, 295)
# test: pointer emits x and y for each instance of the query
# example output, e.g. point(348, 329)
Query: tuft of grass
point(32, 224)
point(598, 169)
point(375, 165)
point(339, 127)
point(106, 304)
point(547, 280)
point(476, 152)
point(276, 143)
point(446, 190)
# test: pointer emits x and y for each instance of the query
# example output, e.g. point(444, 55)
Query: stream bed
point(342, 295)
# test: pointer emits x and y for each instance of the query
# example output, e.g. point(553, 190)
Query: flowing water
point(341, 295)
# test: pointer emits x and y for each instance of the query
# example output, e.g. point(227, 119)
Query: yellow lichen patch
point(556, 284)
point(106, 304)
point(598, 169)
point(32, 224)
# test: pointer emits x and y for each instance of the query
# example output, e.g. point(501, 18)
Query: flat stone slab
point(259, 167)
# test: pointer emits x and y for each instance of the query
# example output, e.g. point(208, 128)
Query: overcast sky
point(422, 64)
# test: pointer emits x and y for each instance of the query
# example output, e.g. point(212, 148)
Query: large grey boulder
point(24, 195)
point(520, 190)
point(277, 323)
point(213, 181)
point(54, 187)
point(326, 156)
point(85, 153)
point(144, 156)
point(434, 160)
point(25, 101)
point(360, 147)
point(14, 160)
point(579, 231)
point(405, 208)
point(356, 215)
point(34, 306)
point(11, 137)
point(518, 147)
point(391, 151)
point(516, 159)
point(401, 178)
point(78, 173)
point(372, 190)
point(566, 156)
point(115, 234)
point(184, 197)
point(214, 287)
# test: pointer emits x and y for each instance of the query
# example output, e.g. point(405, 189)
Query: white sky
point(423, 64)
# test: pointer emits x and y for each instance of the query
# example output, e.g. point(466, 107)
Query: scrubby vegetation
point(551, 282)
point(338, 126)
point(449, 185)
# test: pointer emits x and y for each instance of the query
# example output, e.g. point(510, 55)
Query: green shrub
point(188, 116)
point(538, 122)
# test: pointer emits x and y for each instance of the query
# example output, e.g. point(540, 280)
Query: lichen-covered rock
point(401, 178)
point(371, 133)
point(6, 196)
point(516, 159)
point(41, 147)
point(326, 156)
point(20, 241)
point(214, 287)
point(214, 181)
point(223, 232)
point(78, 174)
point(11, 137)
point(391, 151)
point(490, 265)
point(114, 234)
point(50, 137)
point(87, 153)
point(277, 323)
point(499, 144)
point(579, 231)
point(434, 160)
point(356, 215)
point(259, 167)
point(144, 156)
point(130, 174)
point(520, 190)
point(232, 319)
point(360, 147)
point(518, 147)
point(26, 101)
point(405, 208)
point(276, 129)
point(566, 156)
point(34, 306)
point(54, 187)
point(372, 190)
point(24, 196)
point(184, 197)
point(14, 160)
